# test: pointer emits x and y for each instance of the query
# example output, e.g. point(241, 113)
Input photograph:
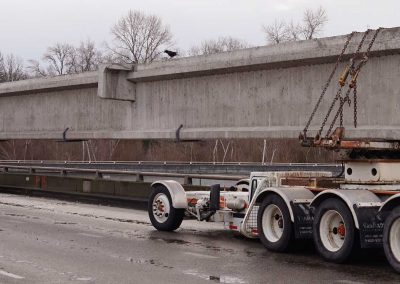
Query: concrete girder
point(257, 92)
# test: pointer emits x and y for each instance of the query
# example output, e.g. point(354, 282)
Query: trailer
point(360, 208)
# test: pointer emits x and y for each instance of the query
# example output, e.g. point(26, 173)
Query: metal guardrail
point(100, 173)
point(44, 162)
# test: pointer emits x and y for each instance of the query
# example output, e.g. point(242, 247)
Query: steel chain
point(342, 101)
point(355, 105)
point(338, 93)
point(327, 84)
point(353, 85)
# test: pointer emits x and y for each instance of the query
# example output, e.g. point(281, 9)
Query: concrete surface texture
point(53, 241)
point(266, 91)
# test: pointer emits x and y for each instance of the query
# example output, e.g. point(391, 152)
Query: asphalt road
point(51, 241)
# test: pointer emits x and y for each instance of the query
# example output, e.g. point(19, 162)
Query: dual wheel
point(334, 231)
point(391, 238)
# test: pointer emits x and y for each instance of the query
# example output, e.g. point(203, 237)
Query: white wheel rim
point(394, 239)
point(332, 230)
point(161, 207)
point(272, 222)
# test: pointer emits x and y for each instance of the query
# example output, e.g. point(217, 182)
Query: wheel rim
point(394, 239)
point(272, 222)
point(161, 207)
point(332, 230)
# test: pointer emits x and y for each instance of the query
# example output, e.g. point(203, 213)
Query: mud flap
point(371, 226)
point(303, 220)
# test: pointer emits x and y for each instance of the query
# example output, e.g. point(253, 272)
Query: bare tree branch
point(277, 32)
point(314, 21)
point(58, 58)
point(63, 58)
point(222, 44)
point(312, 25)
point(35, 70)
point(11, 68)
point(139, 38)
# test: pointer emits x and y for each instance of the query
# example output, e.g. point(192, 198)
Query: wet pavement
point(45, 240)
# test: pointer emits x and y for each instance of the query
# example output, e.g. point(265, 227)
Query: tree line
point(141, 38)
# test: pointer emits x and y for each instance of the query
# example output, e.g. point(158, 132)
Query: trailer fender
point(175, 189)
point(390, 203)
point(351, 197)
point(287, 194)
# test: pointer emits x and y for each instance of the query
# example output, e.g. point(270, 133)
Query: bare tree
point(219, 45)
point(139, 38)
point(58, 59)
point(311, 26)
point(35, 69)
point(63, 58)
point(294, 31)
point(277, 32)
point(84, 58)
point(11, 68)
point(314, 21)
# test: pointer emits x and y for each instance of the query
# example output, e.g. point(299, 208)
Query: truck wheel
point(334, 232)
point(391, 238)
point(274, 225)
point(163, 215)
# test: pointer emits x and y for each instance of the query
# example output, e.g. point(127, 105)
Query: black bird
point(171, 53)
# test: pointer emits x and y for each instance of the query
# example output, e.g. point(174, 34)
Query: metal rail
point(113, 174)
point(44, 162)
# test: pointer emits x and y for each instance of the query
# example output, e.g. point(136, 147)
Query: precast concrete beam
point(52, 84)
point(275, 56)
point(258, 92)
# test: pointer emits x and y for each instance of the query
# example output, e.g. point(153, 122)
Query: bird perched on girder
point(171, 53)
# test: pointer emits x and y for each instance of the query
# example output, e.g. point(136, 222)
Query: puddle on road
point(64, 223)
point(217, 279)
point(21, 216)
point(187, 243)
point(122, 220)
point(127, 221)
point(154, 262)
point(15, 215)
point(171, 241)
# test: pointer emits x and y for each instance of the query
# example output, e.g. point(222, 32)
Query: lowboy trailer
point(360, 208)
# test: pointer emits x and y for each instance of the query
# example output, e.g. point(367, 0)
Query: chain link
point(353, 85)
point(342, 101)
point(327, 83)
point(338, 93)
point(355, 105)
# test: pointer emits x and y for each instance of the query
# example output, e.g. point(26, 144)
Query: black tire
point(175, 215)
point(350, 243)
point(282, 243)
point(393, 217)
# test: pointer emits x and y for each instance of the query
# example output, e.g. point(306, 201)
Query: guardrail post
point(188, 180)
point(99, 174)
point(139, 178)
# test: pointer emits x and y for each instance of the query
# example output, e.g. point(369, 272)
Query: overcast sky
point(27, 27)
